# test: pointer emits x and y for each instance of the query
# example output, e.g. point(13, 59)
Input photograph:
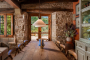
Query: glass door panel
point(1, 25)
point(33, 19)
point(45, 30)
point(45, 36)
point(86, 33)
point(45, 19)
point(34, 37)
point(34, 30)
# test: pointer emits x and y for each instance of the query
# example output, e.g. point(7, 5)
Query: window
point(6, 25)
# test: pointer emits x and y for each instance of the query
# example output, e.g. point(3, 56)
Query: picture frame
point(77, 22)
point(77, 9)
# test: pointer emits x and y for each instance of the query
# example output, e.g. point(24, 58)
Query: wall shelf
point(85, 25)
point(86, 9)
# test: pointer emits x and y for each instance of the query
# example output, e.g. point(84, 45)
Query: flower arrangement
point(70, 30)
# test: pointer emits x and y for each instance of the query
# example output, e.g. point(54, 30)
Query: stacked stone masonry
point(58, 30)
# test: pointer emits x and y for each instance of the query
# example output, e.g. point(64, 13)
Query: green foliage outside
point(2, 25)
point(8, 25)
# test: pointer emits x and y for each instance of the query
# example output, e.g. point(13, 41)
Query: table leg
point(0, 57)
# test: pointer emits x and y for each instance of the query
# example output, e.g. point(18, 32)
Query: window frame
point(39, 29)
point(5, 25)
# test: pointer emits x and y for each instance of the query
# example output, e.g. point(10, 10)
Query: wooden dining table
point(33, 52)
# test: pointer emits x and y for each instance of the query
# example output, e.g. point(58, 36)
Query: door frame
point(39, 29)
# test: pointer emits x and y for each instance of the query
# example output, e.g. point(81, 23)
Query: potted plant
point(71, 32)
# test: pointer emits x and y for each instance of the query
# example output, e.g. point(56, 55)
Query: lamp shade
point(39, 23)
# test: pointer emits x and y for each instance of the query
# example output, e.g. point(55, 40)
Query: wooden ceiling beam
point(47, 10)
point(6, 10)
point(13, 3)
point(47, 1)
point(1, 0)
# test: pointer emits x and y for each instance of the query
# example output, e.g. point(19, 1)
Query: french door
point(40, 32)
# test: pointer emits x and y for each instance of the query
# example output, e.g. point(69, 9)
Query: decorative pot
point(69, 44)
point(69, 39)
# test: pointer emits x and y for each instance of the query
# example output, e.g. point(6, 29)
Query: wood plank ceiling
point(18, 3)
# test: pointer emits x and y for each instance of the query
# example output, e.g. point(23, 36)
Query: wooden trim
point(50, 30)
point(13, 3)
point(29, 28)
point(11, 24)
point(47, 1)
point(5, 25)
point(6, 10)
point(47, 10)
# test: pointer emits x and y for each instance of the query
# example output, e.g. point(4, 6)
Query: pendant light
point(39, 22)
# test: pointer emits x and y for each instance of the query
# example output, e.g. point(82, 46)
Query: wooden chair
point(12, 51)
point(25, 43)
point(71, 55)
point(57, 44)
point(14, 43)
point(62, 48)
point(19, 48)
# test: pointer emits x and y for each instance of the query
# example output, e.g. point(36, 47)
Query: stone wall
point(59, 22)
point(21, 30)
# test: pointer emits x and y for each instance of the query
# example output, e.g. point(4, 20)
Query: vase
point(41, 43)
point(68, 39)
point(69, 44)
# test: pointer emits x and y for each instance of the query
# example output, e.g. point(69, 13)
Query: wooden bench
point(3, 52)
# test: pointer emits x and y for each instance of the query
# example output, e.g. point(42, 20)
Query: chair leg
point(20, 49)
point(11, 57)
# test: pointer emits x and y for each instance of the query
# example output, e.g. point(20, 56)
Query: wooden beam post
point(17, 11)
point(47, 10)
point(13, 3)
point(6, 10)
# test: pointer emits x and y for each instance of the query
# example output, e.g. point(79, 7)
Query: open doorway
point(40, 32)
